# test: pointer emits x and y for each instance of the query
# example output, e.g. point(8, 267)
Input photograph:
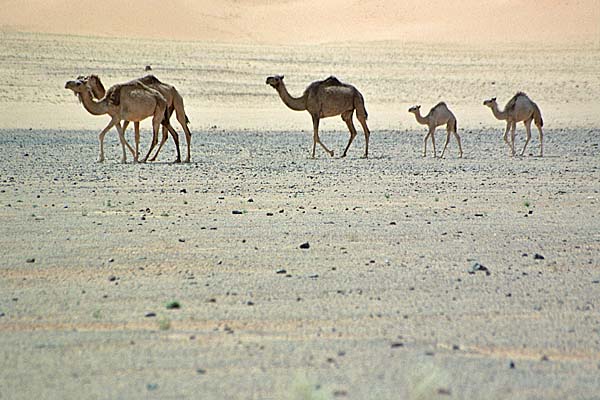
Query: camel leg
point(154, 139)
point(165, 136)
point(541, 140)
point(183, 121)
point(513, 128)
point(347, 117)
point(506, 134)
point(433, 142)
point(363, 121)
point(527, 124)
point(112, 123)
point(316, 137)
point(448, 133)
point(425, 143)
point(124, 143)
point(460, 152)
point(166, 130)
point(136, 127)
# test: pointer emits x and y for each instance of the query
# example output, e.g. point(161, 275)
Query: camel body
point(520, 108)
point(123, 102)
point(327, 98)
point(174, 103)
point(439, 115)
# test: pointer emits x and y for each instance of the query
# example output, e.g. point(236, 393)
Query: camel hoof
point(343, 155)
point(187, 161)
point(100, 160)
point(331, 153)
point(177, 161)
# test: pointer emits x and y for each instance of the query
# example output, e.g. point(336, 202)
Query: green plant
point(164, 324)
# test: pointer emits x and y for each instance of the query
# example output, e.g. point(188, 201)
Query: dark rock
point(201, 371)
point(173, 305)
point(545, 358)
point(511, 365)
point(181, 240)
point(444, 391)
point(305, 245)
point(538, 257)
point(479, 267)
point(112, 278)
point(30, 260)
point(250, 303)
point(281, 271)
point(183, 191)
point(150, 315)
point(237, 212)
point(395, 345)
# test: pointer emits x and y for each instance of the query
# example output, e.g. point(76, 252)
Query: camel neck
point(92, 106)
point(295, 103)
point(420, 119)
point(501, 115)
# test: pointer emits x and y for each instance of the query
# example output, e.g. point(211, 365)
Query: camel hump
point(150, 80)
point(114, 95)
point(331, 81)
point(441, 104)
point(513, 101)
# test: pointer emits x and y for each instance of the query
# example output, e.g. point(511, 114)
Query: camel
point(174, 103)
point(519, 108)
point(130, 102)
point(327, 98)
point(439, 115)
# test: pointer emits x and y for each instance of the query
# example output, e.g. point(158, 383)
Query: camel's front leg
point(541, 140)
point(527, 124)
point(316, 138)
point(513, 129)
point(101, 138)
point(124, 143)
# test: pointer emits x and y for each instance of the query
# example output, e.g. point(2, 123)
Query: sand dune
point(312, 21)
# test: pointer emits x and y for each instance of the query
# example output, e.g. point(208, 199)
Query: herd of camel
point(148, 97)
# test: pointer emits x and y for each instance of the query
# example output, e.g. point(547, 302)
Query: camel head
point(490, 103)
point(78, 87)
point(275, 81)
point(414, 109)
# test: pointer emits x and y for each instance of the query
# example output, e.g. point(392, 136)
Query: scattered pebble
point(150, 315)
point(305, 245)
point(237, 212)
point(173, 305)
point(538, 257)
point(112, 278)
point(181, 240)
point(30, 260)
point(201, 371)
point(395, 345)
point(479, 267)
point(281, 271)
point(511, 365)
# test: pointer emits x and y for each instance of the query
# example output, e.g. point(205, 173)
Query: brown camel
point(327, 98)
point(519, 108)
point(130, 102)
point(439, 115)
point(174, 103)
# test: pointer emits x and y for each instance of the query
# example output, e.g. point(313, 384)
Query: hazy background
point(312, 21)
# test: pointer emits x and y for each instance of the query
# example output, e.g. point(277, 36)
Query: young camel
point(519, 108)
point(327, 98)
point(129, 102)
point(439, 115)
point(174, 103)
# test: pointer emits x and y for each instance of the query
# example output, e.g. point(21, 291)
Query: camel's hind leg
point(183, 121)
point(175, 137)
point(347, 117)
point(136, 128)
point(460, 151)
point(448, 133)
point(541, 140)
point(155, 125)
point(165, 136)
point(527, 124)
point(363, 121)
point(316, 137)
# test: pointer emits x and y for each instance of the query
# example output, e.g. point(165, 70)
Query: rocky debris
point(538, 257)
point(395, 345)
point(281, 271)
point(30, 260)
point(237, 212)
point(305, 246)
point(150, 315)
point(479, 268)
point(173, 305)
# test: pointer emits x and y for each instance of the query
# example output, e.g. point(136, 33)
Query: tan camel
point(129, 102)
point(439, 115)
point(327, 98)
point(174, 103)
point(519, 108)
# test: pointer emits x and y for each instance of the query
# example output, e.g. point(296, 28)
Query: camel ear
point(419, 107)
point(282, 77)
point(493, 99)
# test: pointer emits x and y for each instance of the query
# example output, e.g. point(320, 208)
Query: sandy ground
point(380, 306)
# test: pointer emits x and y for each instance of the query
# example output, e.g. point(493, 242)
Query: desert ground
point(172, 281)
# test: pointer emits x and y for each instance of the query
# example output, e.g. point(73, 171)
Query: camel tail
point(537, 116)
